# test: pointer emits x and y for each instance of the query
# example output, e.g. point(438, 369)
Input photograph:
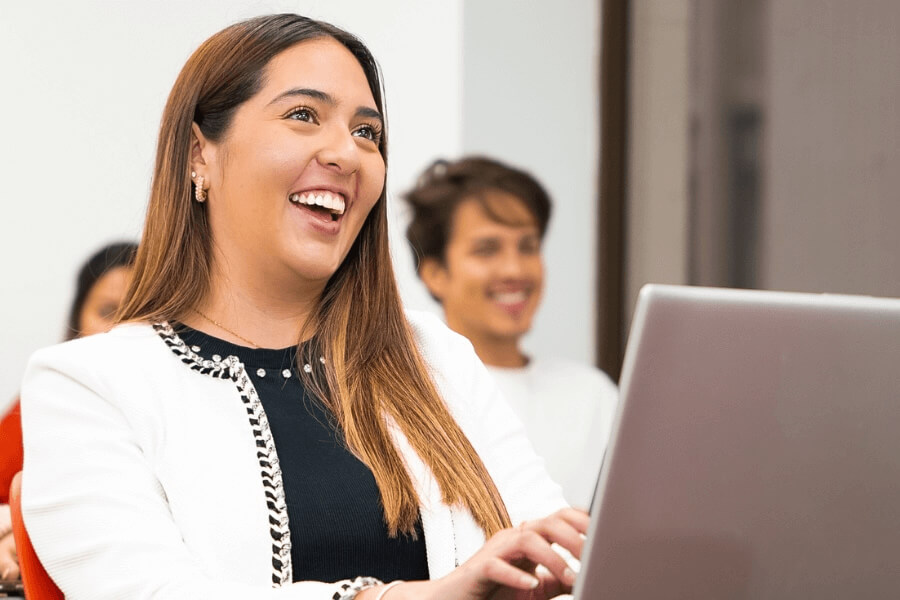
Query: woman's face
point(103, 300)
point(297, 172)
point(491, 279)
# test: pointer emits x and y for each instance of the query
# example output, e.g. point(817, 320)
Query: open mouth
point(320, 201)
point(512, 301)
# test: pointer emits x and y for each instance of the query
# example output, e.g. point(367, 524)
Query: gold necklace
point(223, 328)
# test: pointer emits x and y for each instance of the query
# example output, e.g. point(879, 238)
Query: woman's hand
point(516, 566)
point(505, 567)
point(9, 560)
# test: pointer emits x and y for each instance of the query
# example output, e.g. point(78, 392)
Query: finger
point(559, 531)
point(575, 517)
point(533, 547)
point(499, 571)
point(551, 586)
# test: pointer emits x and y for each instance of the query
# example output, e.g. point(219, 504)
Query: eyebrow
point(326, 98)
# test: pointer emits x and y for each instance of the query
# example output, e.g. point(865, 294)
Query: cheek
point(539, 272)
point(532, 267)
point(90, 322)
point(472, 276)
point(255, 165)
point(373, 181)
point(84, 318)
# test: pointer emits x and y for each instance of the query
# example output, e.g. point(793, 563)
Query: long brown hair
point(375, 373)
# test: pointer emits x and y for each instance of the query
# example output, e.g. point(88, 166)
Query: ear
point(434, 275)
point(202, 151)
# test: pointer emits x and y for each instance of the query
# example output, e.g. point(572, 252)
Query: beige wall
point(832, 203)
point(824, 76)
point(657, 188)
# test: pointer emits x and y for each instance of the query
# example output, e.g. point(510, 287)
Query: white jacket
point(145, 469)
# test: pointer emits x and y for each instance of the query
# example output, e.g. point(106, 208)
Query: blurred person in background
point(476, 233)
point(99, 290)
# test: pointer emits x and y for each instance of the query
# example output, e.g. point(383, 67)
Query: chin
point(310, 266)
point(312, 272)
point(514, 325)
point(513, 330)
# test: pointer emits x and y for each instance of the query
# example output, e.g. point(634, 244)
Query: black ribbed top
point(336, 517)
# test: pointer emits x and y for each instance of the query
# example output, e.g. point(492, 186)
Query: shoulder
point(461, 378)
point(130, 352)
point(124, 343)
point(574, 375)
point(437, 342)
point(572, 368)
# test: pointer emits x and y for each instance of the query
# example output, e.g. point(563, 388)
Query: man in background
point(476, 235)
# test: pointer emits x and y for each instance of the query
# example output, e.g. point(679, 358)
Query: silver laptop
point(756, 453)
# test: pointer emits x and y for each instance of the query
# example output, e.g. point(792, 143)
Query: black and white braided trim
point(232, 368)
point(348, 590)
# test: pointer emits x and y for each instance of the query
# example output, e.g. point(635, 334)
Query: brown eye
point(302, 113)
point(487, 248)
point(368, 132)
point(530, 245)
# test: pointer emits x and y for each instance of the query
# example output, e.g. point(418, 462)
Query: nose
point(510, 263)
point(339, 151)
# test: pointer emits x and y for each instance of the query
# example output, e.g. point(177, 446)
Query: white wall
point(84, 85)
point(530, 97)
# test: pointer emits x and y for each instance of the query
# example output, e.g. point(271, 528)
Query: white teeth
point(510, 297)
point(333, 202)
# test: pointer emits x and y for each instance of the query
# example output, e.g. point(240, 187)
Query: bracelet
point(387, 588)
point(350, 589)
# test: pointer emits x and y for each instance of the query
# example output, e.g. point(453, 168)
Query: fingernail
point(530, 581)
point(569, 574)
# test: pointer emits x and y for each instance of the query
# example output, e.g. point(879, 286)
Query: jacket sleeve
point(97, 516)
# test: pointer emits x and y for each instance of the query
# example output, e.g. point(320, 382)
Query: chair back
point(38, 585)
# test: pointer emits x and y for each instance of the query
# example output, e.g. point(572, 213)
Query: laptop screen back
point(756, 452)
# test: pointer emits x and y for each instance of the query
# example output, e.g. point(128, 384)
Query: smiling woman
point(266, 420)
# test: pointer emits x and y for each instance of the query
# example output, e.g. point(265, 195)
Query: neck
point(501, 355)
point(496, 351)
point(266, 315)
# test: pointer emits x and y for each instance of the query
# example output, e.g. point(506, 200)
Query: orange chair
point(38, 585)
